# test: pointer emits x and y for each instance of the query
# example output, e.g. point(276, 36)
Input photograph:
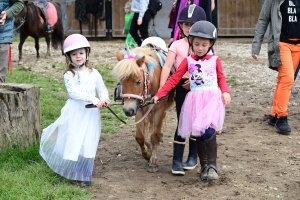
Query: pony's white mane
point(128, 67)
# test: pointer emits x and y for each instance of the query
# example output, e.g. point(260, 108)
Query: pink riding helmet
point(75, 41)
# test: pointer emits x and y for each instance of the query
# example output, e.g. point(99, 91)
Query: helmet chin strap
point(77, 66)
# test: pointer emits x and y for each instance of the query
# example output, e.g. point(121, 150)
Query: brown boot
point(211, 150)
point(201, 146)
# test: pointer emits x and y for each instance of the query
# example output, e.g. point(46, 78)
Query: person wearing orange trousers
point(283, 53)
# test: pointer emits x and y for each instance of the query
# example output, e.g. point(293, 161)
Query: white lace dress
point(69, 144)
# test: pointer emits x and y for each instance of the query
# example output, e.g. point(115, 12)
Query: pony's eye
point(138, 82)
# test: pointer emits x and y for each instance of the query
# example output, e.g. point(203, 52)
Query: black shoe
point(272, 120)
point(282, 126)
point(85, 183)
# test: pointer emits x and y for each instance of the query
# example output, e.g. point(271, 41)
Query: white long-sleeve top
point(140, 6)
point(84, 85)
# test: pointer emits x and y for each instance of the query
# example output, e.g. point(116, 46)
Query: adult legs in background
point(4, 61)
point(206, 5)
point(143, 28)
point(290, 57)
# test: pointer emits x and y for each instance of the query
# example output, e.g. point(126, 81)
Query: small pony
point(30, 22)
point(139, 75)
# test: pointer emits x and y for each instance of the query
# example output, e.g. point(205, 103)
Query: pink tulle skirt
point(201, 109)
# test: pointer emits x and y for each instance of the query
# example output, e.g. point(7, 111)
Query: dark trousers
point(143, 28)
point(180, 97)
point(206, 5)
point(4, 61)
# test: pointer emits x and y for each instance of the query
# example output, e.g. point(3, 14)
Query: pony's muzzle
point(129, 112)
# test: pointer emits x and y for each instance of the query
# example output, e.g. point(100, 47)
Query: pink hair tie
point(129, 56)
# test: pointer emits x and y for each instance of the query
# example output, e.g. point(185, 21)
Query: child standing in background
point(128, 18)
point(203, 110)
point(69, 144)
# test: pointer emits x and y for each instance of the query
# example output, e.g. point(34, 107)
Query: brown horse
point(139, 75)
point(28, 22)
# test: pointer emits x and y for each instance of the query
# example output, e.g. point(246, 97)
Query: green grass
point(232, 81)
point(23, 173)
point(29, 39)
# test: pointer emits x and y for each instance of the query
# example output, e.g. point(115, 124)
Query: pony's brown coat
point(130, 75)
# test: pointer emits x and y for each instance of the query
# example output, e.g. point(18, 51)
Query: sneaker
point(272, 120)
point(85, 183)
point(282, 126)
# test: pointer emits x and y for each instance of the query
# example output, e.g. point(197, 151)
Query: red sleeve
point(221, 77)
point(173, 80)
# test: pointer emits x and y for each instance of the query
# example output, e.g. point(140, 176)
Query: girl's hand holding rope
point(102, 104)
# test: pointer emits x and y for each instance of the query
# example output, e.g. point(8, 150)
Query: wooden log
point(19, 115)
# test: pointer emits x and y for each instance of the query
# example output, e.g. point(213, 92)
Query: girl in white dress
point(69, 144)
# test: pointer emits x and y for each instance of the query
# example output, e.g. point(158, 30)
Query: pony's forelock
point(128, 67)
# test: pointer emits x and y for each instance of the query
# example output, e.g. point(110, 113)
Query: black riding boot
point(178, 150)
point(49, 28)
point(211, 152)
point(201, 146)
point(191, 162)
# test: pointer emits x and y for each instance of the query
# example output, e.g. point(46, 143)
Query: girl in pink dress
point(203, 110)
point(178, 51)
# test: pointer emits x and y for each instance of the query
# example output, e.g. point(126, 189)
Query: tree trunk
point(19, 115)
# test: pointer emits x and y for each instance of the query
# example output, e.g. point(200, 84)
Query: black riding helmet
point(191, 13)
point(203, 29)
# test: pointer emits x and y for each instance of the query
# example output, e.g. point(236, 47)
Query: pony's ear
point(119, 56)
point(140, 61)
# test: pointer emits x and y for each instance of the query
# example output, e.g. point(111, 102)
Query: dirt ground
point(254, 161)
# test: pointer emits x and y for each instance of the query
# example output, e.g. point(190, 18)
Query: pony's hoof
point(152, 169)
point(20, 63)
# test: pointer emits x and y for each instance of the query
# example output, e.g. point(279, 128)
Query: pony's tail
point(58, 29)
point(170, 99)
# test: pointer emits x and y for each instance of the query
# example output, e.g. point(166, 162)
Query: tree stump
point(19, 115)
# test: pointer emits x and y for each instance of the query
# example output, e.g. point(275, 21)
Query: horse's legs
point(48, 46)
point(141, 139)
point(20, 46)
point(156, 138)
point(37, 47)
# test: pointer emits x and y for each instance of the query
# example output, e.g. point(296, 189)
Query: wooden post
point(19, 115)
